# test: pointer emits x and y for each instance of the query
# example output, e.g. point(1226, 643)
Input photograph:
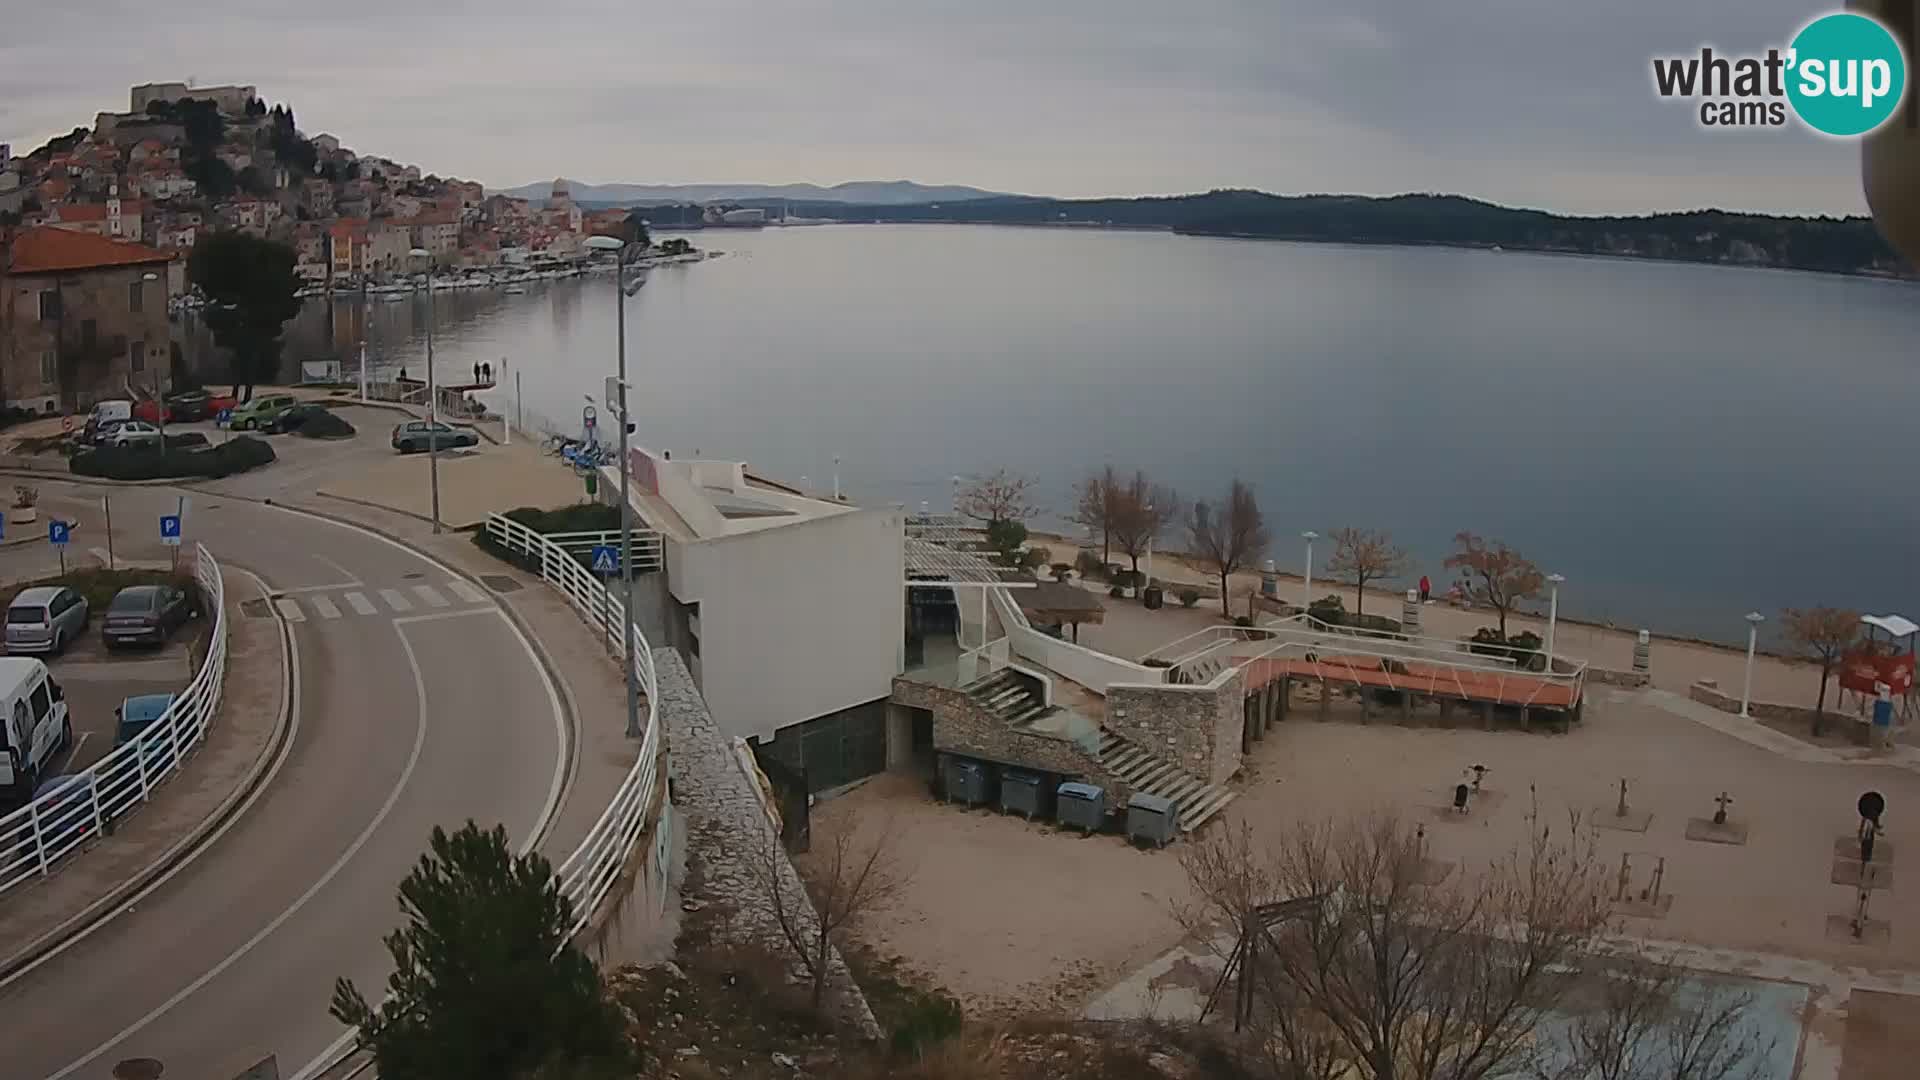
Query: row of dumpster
point(1073, 804)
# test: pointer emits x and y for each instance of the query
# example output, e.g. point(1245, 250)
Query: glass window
point(42, 701)
point(49, 367)
point(136, 293)
point(137, 355)
point(26, 616)
point(49, 305)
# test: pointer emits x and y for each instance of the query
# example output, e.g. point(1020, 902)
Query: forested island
point(1830, 244)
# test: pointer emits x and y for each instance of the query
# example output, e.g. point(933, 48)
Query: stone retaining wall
point(961, 726)
point(730, 826)
point(1707, 692)
point(1197, 728)
point(1635, 680)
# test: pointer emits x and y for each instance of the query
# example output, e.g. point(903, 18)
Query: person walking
point(486, 372)
point(476, 371)
point(1426, 589)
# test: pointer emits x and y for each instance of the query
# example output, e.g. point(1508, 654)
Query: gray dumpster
point(968, 782)
point(1020, 793)
point(1081, 806)
point(1152, 818)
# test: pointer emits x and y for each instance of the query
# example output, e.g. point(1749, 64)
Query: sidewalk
point(246, 735)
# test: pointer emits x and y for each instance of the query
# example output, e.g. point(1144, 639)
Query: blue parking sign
point(58, 532)
point(606, 559)
point(170, 529)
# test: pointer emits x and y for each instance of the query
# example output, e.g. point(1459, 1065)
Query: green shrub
point(186, 440)
point(580, 517)
point(325, 425)
point(1036, 557)
point(1329, 609)
point(1189, 597)
point(1117, 592)
point(148, 463)
point(1089, 565)
point(930, 1020)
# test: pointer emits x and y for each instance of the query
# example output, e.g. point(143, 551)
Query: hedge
point(580, 517)
point(148, 463)
point(325, 425)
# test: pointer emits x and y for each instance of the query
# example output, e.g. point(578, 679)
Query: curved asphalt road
point(406, 719)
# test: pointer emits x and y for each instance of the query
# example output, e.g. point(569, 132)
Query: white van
point(34, 726)
point(106, 412)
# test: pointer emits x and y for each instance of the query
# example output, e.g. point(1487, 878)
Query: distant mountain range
point(863, 192)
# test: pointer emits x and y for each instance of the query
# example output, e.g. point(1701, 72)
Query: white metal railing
point(589, 873)
point(36, 836)
point(1360, 661)
point(1090, 668)
point(647, 548)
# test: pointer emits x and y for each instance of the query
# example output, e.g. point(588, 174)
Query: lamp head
point(605, 243)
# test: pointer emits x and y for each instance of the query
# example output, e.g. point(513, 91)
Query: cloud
point(1539, 104)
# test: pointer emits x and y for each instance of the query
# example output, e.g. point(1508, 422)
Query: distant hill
point(865, 192)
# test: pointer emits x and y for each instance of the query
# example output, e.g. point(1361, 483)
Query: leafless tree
point(1229, 536)
point(1645, 1018)
point(1363, 555)
point(1002, 495)
point(1497, 576)
point(1141, 512)
point(1093, 508)
point(1389, 977)
point(850, 879)
point(1823, 634)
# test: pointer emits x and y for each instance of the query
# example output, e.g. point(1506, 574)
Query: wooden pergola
point(1055, 603)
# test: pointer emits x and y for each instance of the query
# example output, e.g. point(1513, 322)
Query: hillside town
point(94, 222)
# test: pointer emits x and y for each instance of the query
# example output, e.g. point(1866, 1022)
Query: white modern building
point(787, 606)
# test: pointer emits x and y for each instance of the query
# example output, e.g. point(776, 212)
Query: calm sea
point(1684, 443)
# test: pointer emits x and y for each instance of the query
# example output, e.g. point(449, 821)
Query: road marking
point(396, 601)
point(430, 595)
point(467, 592)
point(344, 572)
point(73, 752)
point(100, 553)
point(393, 797)
point(290, 609)
point(325, 607)
point(319, 588)
point(360, 604)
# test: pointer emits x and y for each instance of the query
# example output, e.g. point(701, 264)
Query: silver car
point(45, 619)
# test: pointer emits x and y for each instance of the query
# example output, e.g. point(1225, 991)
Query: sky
point(1526, 103)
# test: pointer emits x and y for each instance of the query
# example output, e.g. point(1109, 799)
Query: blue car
point(136, 715)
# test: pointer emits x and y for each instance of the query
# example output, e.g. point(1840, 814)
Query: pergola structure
point(1055, 603)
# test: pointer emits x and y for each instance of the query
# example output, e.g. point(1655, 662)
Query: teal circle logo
point(1845, 74)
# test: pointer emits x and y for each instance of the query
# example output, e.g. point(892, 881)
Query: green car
point(260, 413)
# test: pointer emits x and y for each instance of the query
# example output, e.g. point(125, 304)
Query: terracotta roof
point(48, 250)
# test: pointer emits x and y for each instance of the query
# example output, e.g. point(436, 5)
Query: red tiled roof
point(49, 250)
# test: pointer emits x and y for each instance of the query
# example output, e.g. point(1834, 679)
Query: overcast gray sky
point(1517, 101)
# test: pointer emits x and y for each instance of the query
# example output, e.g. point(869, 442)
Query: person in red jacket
point(1426, 588)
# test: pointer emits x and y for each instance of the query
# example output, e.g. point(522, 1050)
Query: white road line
point(360, 604)
point(393, 797)
point(290, 610)
point(396, 601)
point(466, 591)
point(344, 572)
point(431, 595)
point(336, 586)
point(324, 607)
point(460, 614)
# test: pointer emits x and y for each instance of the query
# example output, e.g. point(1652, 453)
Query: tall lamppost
point(1149, 581)
point(1553, 613)
point(433, 396)
point(1306, 590)
point(618, 247)
point(1754, 619)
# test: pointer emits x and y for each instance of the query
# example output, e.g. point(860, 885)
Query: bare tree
point(1645, 1018)
point(1141, 511)
point(1497, 576)
point(1229, 536)
point(1822, 634)
point(1363, 555)
point(1002, 495)
point(1385, 976)
point(1093, 508)
point(854, 876)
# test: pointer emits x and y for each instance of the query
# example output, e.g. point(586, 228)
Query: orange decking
point(1464, 683)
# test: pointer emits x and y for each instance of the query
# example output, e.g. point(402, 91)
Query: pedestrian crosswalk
point(363, 602)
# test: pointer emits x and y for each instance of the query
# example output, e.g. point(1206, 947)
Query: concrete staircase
point(1197, 800)
point(1008, 695)
point(1198, 672)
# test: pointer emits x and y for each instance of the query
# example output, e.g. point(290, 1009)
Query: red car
point(149, 410)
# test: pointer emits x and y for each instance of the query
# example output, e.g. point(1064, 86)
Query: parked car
point(261, 411)
point(45, 619)
point(144, 614)
point(150, 410)
point(105, 412)
point(133, 433)
point(101, 434)
point(134, 716)
point(191, 405)
point(65, 812)
point(294, 417)
point(34, 727)
point(415, 434)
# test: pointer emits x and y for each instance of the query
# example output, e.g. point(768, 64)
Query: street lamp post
point(433, 396)
point(1149, 581)
point(1306, 589)
point(1754, 619)
point(618, 247)
point(1553, 614)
